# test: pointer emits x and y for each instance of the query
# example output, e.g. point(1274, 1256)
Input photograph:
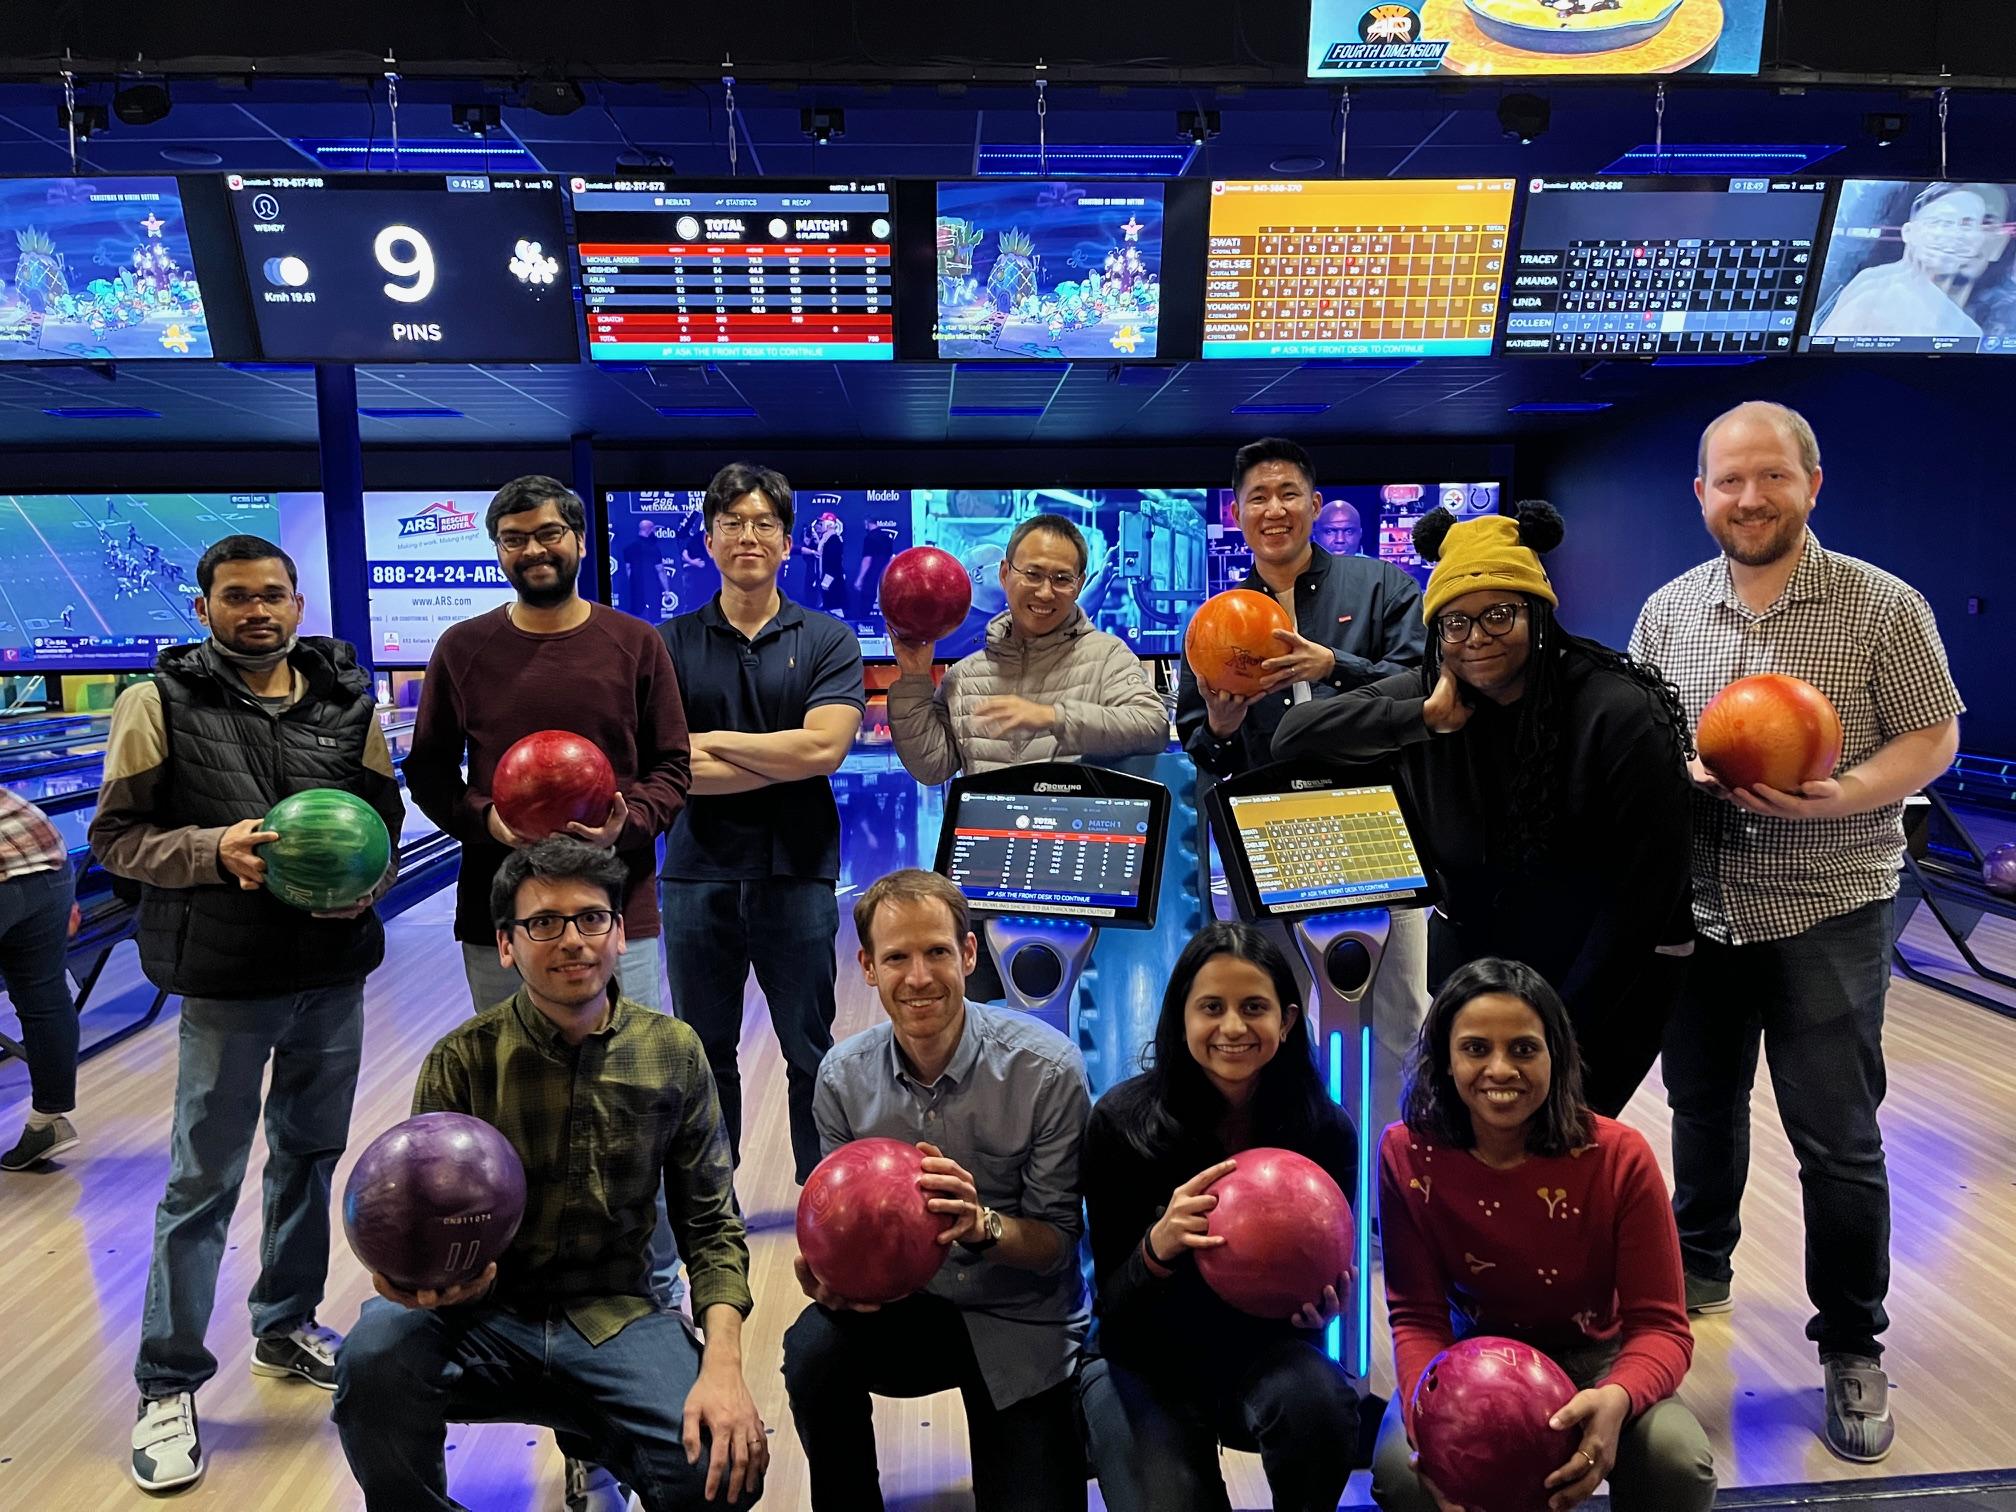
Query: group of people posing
point(1604, 899)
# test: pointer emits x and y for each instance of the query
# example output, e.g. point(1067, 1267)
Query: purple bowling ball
point(434, 1200)
point(1998, 871)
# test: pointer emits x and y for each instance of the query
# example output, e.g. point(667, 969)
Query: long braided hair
point(1534, 791)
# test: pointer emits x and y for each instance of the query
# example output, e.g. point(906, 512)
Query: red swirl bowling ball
point(1230, 635)
point(862, 1224)
point(1480, 1424)
point(1287, 1232)
point(925, 594)
point(550, 779)
point(434, 1200)
point(1771, 729)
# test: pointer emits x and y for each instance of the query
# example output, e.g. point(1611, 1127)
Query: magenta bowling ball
point(434, 1200)
point(1480, 1424)
point(925, 594)
point(1998, 870)
point(863, 1227)
point(1287, 1232)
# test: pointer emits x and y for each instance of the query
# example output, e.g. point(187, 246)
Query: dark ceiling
point(923, 130)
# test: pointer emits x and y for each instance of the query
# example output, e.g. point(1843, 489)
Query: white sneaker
point(167, 1450)
point(594, 1488)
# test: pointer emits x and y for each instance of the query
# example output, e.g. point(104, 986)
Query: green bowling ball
point(332, 849)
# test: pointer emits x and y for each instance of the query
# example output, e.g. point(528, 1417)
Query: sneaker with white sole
point(1859, 1426)
point(37, 1145)
point(1706, 1296)
point(309, 1352)
point(167, 1449)
point(594, 1488)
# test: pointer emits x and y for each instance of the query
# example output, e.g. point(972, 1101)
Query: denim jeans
point(1026, 1457)
point(314, 1039)
point(1815, 1000)
point(784, 927)
point(491, 982)
point(404, 1374)
point(1154, 1440)
point(1663, 1462)
point(34, 941)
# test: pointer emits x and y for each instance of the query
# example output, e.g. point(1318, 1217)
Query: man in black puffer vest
point(195, 759)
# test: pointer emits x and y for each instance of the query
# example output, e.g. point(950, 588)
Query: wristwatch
point(991, 1224)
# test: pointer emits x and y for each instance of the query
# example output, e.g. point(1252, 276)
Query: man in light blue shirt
point(998, 1102)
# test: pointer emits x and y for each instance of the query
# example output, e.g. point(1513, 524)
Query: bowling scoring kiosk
point(1326, 852)
point(1047, 855)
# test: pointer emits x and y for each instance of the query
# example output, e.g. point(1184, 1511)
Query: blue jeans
point(314, 1040)
point(1815, 1001)
point(1154, 1440)
point(404, 1374)
point(784, 927)
point(34, 941)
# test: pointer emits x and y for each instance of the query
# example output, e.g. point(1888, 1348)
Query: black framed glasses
point(515, 541)
point(1497, 621)
point(592, 923)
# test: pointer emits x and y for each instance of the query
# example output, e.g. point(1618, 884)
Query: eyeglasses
point(763, 527)
point(238, 598)
point(592, 923)
point(1497, 621)
point(515, 541)
point(1064, 582)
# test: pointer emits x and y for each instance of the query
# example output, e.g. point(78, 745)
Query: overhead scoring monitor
point(1355, 268)
point(1646, 267)
point(756, 269)
point(1918, 266)
point(406, 267)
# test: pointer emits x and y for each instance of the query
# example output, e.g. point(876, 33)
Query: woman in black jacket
point(1173, 1371)
point(1548, 774)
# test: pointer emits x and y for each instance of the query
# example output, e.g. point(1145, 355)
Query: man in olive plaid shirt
point(1792, 891)
point(604, 1101)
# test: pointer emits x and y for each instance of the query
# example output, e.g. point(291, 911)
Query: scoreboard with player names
point(752, 270)
point(1348, 268)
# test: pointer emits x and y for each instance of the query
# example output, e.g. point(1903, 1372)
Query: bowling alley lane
point(73, 1272)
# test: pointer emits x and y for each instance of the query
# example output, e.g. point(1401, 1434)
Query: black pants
point(784, 927)
point(1619, 1042)
point(1815, 1001)
point(1154, 1438)
point(1027, 1457)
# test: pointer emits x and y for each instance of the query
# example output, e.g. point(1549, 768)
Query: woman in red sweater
point(1507, 1208)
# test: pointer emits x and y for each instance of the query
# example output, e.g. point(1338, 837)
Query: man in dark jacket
point(228, 728)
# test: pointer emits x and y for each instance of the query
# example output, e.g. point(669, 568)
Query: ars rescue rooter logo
point(439, 518)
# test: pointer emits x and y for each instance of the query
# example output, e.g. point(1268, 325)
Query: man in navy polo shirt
point(773, 700)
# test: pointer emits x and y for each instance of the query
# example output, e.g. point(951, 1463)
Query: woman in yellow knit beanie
point(1549, 776)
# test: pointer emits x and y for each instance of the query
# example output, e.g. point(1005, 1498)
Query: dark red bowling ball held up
point(1229, 637)
point(1287, 1232)
point(433, 1201)
point(863, 1227)
point(925, 594)
point(550, 779)
point(1480, 1414)
point(1770, 730)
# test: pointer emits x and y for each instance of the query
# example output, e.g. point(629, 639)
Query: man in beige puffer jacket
point(1047, 686)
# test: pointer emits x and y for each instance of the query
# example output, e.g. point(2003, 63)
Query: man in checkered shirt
point(1792, 891)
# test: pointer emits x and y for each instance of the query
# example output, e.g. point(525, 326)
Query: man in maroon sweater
point(551, 660)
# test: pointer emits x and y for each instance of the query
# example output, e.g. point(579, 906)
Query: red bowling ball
point(1998, 870)
point(1287, 1232)
point(550, 779)
point(434, 1200)
point(1480, 1424)
point(863, 1227)
point(1771, 729)
point(925, 594)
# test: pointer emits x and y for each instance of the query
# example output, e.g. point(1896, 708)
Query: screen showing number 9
point(403, 252)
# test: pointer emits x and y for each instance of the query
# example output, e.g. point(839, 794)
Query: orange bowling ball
point(1773, 730)
point(1230, 635)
